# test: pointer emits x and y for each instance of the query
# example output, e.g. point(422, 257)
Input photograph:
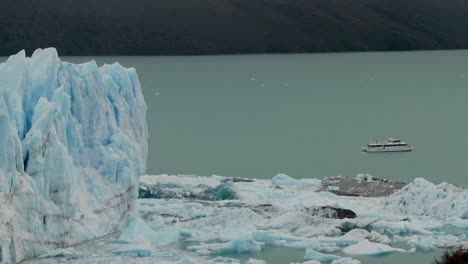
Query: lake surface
point(306, 115)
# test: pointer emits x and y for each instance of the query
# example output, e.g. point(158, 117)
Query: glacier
point(73, 143)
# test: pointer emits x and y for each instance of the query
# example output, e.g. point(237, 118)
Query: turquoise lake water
point(306, 115)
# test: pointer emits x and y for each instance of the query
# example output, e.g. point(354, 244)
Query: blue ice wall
point(73, 142)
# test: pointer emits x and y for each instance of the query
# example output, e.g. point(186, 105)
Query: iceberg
point(138, 232)
point(73, 143)
point(232, 247)
point(186, 260)
point(424, 198)
point(134, 250)
point(311, 254)
point(366, 247)
point(346, 261)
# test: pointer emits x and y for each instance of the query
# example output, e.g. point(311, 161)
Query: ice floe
point(134, 250)
point(365, 247)
point(290, 213)
point(311, 254)
point(298, 213)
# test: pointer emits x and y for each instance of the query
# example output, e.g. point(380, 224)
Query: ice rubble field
point(73, 141)
point(189, 224)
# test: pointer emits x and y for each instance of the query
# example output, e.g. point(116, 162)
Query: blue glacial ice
point(311, 254)
point(134, 250)
point(73, 143)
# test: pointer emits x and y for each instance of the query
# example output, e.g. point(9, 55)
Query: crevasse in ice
point(73, 141)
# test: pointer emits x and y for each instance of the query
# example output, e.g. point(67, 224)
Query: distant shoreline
point(221, 27)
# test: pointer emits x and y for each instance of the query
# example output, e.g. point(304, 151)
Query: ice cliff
point(73, 142)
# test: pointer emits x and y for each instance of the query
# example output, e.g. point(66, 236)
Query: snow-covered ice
point(346, 261)
point(287, 212)
point(73, 142)
point(277, 212)
point(365, 247)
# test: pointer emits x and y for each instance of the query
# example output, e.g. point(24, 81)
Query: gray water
point(306, 115)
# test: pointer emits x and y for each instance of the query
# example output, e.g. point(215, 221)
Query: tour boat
point(391, 145)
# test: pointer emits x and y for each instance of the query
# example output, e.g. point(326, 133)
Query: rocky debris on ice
point(330, 212)
point(363, 185)
point(73, 145)
point(63, 253)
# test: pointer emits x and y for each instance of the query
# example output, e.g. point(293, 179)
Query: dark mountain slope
point(103, 27)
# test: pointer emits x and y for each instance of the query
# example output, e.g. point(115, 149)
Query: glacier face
point(73, 142)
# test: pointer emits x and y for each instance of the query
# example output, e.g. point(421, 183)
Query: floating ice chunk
point(285, 180)
point(355, 235)
point(199, 235)
point(277, 238)
point(65, 253)
point(224, 191)
point(424, 198)
point(138, 232)
point(232, 247)
point(255, 261)
point(186, 260)
point(460, 223)
point(428, 243)
point(379, 238)
point(346, 261)
point(399, 228)
point(236, 233)
point(134, 250)
point(322, 246)
point(366, 247)
point(314, 255)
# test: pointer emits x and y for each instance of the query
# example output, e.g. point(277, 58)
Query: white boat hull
point(388, 149)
